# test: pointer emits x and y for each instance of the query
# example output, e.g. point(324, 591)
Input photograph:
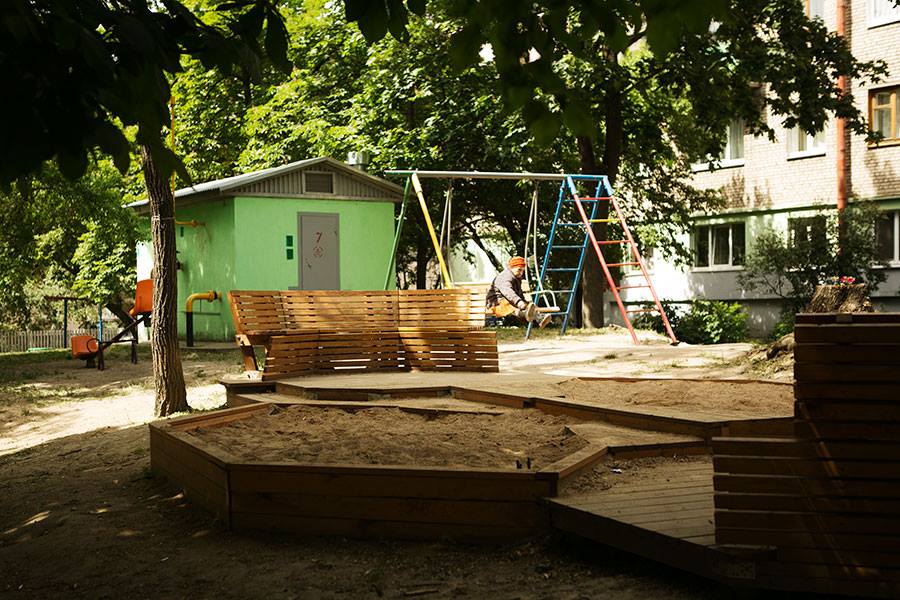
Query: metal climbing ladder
point(581, 220)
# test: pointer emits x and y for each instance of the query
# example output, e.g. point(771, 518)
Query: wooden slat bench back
point(306, 332)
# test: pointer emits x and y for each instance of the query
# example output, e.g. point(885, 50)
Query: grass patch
point(517, 334)
point(39, 356)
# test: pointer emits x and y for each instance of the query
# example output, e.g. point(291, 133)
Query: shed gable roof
point(287, 181)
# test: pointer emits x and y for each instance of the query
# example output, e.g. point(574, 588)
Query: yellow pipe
point(445, 274)
point(191, 223)
point(208, 296)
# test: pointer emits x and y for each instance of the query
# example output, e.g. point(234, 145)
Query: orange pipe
point(841, 126)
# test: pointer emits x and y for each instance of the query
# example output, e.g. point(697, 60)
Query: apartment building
point(785, 184)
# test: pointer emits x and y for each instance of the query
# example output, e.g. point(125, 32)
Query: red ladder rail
point(638, 262)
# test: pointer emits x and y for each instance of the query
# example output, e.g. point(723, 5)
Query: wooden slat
point(830, 318)
point(836, 556)
point(774, 447)
point(854, 410)
point(360, 528)
point(844, 430)
point(815, 468)
point(806, 503)
point(850, 373)
point(856, 333)
point(847, 354)
point(804, 390)
point(765, 484)
point(805, 539)
point(411, 510)
point(387, 483)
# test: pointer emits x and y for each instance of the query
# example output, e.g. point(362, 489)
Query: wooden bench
point(307, 332)
point(827, 499)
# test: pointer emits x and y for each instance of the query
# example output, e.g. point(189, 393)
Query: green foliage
point(754, 41)
point(62, 237)
point(713, 322)
point(83, 70)
point(784, 326)
point(791, 269)
point(105, 263)
point(706, 322)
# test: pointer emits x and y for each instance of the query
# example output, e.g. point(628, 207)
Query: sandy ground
point(687, 399)
point(82, 516)
point(388, 436)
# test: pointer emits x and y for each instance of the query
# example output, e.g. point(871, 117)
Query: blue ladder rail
point(603, 191)
point(568, 194)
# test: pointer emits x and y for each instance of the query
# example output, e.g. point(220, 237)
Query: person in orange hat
point(505, 296)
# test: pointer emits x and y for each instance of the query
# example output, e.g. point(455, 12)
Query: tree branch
point(497, 264)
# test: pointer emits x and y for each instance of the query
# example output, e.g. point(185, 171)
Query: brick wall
point(874, 172)
point(768, 179)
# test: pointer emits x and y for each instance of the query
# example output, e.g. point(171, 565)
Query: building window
point(887, 234)
point(882, 12)
point(733, 153)
point(807, 232)
point(719, 245)
point(318, 183)
point(815, 9)
point(802, 144)
point(884, 112)
point(734, 147)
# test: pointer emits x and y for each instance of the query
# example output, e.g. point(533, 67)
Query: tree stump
point(840, 298)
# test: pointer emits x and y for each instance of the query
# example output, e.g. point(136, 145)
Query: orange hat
point(516, 261)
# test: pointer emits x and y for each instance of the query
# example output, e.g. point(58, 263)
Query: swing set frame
point(413, 180)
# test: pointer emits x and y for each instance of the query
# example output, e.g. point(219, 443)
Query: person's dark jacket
point(506, 285)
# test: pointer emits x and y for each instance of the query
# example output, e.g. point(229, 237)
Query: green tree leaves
point(84, 70)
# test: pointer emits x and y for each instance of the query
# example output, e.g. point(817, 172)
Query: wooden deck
point(665, 514)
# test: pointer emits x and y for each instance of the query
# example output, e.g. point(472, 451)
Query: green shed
point(315, 224)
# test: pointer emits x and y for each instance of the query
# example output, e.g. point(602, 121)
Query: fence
point(22, 341)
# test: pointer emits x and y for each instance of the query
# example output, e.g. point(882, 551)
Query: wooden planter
point(408, 502)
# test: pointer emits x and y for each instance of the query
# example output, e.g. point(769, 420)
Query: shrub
point(784, 326)
point(713, 322)
point(707, 322)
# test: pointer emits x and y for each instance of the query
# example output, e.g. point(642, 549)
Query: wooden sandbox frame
point(405, 502)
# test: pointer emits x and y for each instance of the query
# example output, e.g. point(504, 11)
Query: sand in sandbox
point(388, 436)
point(736, 400)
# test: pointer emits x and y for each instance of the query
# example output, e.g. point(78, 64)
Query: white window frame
point(895, 217)
point(796, 135)
point(819, 14)
point(725, 161)
point(711, 247)
point(882, 12)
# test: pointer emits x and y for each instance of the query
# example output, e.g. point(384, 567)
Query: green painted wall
point(242, 245)
point(206, 254)
point(366, 238)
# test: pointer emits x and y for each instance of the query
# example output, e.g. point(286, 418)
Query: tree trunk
point(593, 283)
point(422, 245)
point(168, 377)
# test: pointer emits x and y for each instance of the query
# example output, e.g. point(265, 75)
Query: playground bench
point(307, 332)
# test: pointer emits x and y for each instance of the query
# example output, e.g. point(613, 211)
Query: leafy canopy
point(84, 69)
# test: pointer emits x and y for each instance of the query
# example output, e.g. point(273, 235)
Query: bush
point(713, 322)
point(784, 326)
point(707, 322)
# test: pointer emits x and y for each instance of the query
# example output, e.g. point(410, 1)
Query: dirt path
point(83, 517)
